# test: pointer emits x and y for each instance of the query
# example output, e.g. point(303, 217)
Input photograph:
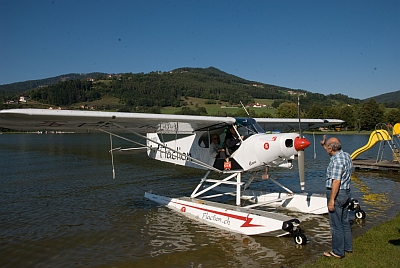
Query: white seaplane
point(189, 144)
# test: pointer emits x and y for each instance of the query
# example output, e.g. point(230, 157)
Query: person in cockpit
point(217, 150)
point(232, 140)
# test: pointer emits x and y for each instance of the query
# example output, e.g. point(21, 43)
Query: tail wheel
point(300, 239)
point(360, 214)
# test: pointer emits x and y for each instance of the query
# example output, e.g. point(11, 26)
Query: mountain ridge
point(391, 99)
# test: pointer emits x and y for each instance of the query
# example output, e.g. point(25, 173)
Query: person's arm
point(334, 191)
point(323, 141)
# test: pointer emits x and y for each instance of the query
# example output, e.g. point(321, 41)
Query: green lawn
point(220, 107)
point(378, 247)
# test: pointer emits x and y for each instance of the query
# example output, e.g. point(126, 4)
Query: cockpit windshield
point(248, 126)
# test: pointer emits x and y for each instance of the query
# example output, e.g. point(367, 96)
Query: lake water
point(60, 207)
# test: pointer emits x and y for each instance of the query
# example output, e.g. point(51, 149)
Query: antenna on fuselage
point(245, 109)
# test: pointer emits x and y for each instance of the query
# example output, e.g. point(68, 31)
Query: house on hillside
point(257, 105)
point(23, 99)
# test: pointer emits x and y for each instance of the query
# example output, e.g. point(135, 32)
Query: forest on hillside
point(20, 87)
point(150, 92)
point(170, 89)
point(158, 89)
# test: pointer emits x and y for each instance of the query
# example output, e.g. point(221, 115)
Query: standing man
point(338, 175)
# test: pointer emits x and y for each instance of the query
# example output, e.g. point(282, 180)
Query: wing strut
point(112, 154)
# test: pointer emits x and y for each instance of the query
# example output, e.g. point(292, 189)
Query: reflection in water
point(167, 232)
point(375, 200)
point(377, 193)
point(60, 207)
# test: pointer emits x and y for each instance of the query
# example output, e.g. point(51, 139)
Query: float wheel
point(360, 214)
point(300, 239)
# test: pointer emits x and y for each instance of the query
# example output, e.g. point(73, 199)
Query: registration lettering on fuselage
point(167, 153)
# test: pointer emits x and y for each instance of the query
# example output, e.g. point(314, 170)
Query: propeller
point(302, 143)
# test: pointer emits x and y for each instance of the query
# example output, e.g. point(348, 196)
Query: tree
point(348, 114)
point(287, 110)
point(393, 116)
point(243, 113)
point(371, 114)
point(201, 111)
point(332, 112)
point(315, 112)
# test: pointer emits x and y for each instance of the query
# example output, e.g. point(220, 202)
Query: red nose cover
point(301, 143)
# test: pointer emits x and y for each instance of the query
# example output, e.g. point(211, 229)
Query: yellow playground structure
point(384, 134)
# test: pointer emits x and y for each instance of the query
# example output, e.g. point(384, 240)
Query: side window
point(204, 140)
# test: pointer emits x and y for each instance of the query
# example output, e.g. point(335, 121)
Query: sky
point(328, 47)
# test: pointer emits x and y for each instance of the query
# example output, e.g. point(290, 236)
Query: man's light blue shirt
point(339, 168)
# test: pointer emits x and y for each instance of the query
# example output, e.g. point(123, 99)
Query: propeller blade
point(300, 144)
point(301, 168)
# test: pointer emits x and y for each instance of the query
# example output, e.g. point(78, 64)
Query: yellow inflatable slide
point(396, 129)
point(375, 137)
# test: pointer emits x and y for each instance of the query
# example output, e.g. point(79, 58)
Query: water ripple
point(60, 207)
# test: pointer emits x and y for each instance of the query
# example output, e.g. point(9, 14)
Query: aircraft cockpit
point(248, 126)
point(245, 127)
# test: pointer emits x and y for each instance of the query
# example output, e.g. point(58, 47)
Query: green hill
point(20, 87)
point(155, 90)
point(391, 99)
point(192, 91)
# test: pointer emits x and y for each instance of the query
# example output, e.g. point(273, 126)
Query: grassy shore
point(378, 247)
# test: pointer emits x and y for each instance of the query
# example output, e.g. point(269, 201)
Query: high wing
point(292, 124)
point(86, 121)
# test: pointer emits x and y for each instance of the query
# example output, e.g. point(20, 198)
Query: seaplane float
point(188, 141)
